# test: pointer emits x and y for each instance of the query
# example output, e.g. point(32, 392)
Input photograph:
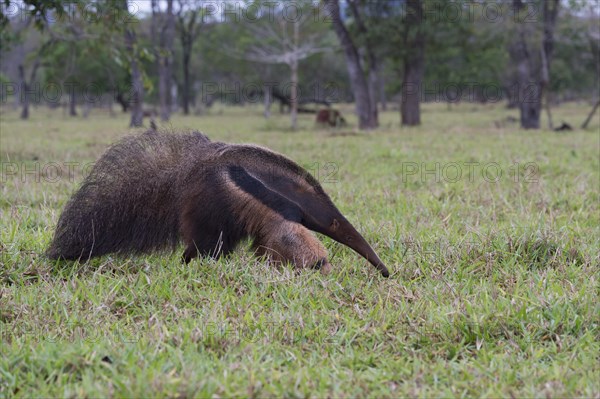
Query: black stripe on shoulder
point(277, 160)
point(273, 200)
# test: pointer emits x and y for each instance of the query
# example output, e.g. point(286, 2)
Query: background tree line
point(168, 56)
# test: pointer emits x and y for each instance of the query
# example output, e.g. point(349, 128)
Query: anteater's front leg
point(204, 246)
point(204, 240)
point(197, 241)
point(190, 253)
point(293, 243)
point(195, 248)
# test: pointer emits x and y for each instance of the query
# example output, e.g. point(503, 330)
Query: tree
point(532, 58)
point(25, 85)
point(362, 78)
point(37, 11)
point(414, 63)
point(592, 34)
point(189, 22)
point(101, 14)
point(163, 29)
point(137, 84)
point(547, 52)
point(585, 124)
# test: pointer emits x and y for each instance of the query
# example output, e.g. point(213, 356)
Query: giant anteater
point(149, 190)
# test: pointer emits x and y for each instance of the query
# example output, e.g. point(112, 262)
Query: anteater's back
point(128, 202)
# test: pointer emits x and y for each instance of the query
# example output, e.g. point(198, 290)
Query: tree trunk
point(533, 77)
point(414, 65)
point(294, 94)
point(120, 98)
point(164, 93)
point(294, 81)
point(370, 60)
point(528, 90)
point(410, 108)
point(382, 96)
point(25, 86)
point(545, 86)
point(170, 89)
point(72, 104)
point(188, 32)
point(367, 119)
point(268, 101)
point(547, 51)
point(373, 83)
point(137, 96)
point(17, 98)
point(165, 22)
point(512, 93)
point(137, 85)
point(186, 49)
point(530, 104)
point(589, 118)
point(24, 91)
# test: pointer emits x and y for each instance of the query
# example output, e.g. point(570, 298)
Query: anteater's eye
point(349, 238)
point(335, 224)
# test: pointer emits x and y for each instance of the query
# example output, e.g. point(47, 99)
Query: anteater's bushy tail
point(128, 203)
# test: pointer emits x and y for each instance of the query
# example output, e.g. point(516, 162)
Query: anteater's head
point(283, 185)
point(341, 230)
point(320, 214)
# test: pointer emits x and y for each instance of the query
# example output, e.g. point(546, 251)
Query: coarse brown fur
point(150, 191)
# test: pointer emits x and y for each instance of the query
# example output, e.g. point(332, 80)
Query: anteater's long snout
point(343, 232)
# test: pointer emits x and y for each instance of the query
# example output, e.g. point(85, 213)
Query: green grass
point(494, 290)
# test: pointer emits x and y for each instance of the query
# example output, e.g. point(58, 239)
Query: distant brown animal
point(149, 191)
point(330, 117)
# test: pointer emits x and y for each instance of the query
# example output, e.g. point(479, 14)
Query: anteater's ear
point(288, 198)
point(252, 185)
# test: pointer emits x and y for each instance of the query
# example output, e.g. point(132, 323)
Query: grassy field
point(491, 233)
